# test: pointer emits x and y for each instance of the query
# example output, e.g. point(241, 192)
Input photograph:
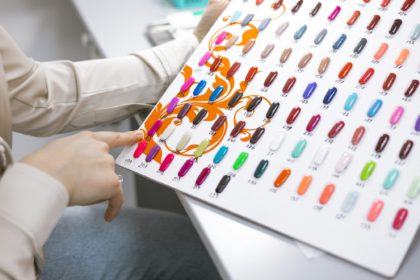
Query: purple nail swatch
point(186, 167)
point(152, 153)
point(172, 105)
point(154, 128)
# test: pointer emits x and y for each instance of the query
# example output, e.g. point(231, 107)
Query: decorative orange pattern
point(214, 109)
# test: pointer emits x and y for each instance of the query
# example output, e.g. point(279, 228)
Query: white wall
point(49, 30)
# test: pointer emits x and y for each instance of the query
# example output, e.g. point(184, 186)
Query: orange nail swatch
point(353, 18)
point(282, 178)
point(366, 76)
point(381, 51)
point(304, 185)
point(402, 57)
point(327, 194)
point(375, 210)
point(345, 70)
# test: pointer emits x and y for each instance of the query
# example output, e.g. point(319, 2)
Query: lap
point(139, 244)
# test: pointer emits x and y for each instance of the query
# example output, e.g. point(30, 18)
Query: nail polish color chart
point(301, 116)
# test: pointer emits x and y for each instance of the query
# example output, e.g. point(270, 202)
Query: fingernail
point(139, 134)
point(107, 217)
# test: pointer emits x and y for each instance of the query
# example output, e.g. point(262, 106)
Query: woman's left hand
point(212, 12)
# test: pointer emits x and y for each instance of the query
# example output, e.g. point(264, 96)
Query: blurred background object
point(189, 3)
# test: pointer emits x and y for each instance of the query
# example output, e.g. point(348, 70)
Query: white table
point(241, 250)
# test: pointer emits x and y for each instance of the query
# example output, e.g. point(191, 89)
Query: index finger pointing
point(118, 139)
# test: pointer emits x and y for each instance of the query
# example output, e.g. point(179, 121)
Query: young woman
point(47, 98)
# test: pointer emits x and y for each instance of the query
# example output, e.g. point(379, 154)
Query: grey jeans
point(139, 244)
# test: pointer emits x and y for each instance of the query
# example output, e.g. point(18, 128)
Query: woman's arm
point(52, 97)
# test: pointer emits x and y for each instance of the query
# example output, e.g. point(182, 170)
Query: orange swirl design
point(214, 109)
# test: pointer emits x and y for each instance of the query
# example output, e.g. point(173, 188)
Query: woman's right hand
point(82, 163)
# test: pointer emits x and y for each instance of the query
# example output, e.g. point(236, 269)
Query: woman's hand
point(83, 165)
point(213, 11)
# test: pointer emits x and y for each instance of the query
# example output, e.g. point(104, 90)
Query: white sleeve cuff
point(32, 200)
point(171, 57)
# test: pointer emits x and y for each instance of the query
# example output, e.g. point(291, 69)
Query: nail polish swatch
point(267, 51)
point(166, 162)
point(360, 46)
point(396, 115)
point(412, 88)
point(340, 41)
point(285, 55)
point(218, 123)
point(204, 59)
point(152, 153)
point(274, 107)
point(350, 101)
point(185, 167)
point(336, 129)
point(270, 78)
point(407, 5)
point(389, 81)
point(237, 129)
point(289, 85)
point(183, 141)
point(297, 6)
point(188, 83)
point(374, 109)
point(253, 104)
point(251, 74)
point(141, 147)
point(305, 60)
point(256, 136)
point(282, 27)
point(199, 88)
point(373, 23)
point(172, 105)
point(155, 127)
point(352, 20)
point(329, 96)
point(381, 51)
point(203, 176)
point(248, 18)
point(313, 123)
point(366, 76)
point(184, 110)
point(320, 37)
point(326, 194)
point(215, 65)
point(200, 116)
point(277, 4)
point(299, 33)
point(395, 26)
point(232, 41)
point(263, 25)
point(323, 65)
point(402, 57)
point(334, 13)
point(261, 168)
point(222, 36)
point(216, 93)
point(248, 46)
point(406, 149)
point(223, 183)
point(233, 69)
point(282, 177)
point(316, 9)
point(235, 99)
point(293, 115)
point(310, 89)
point(345, 70)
